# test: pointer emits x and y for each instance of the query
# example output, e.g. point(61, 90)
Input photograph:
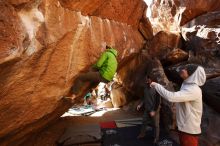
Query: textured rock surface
point(145, 28)
point(163, 15)
point(202, 38)
point(163, 43)
point(192, 9)
point(169, 15)
point(118, 97)
point(197, 21)
point(127, 11)
point(176, 56)
point(11, 36)
point(54, 44)
point(18, 2)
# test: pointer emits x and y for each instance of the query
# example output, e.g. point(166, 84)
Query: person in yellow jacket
point(105, 69)
point(188, 103)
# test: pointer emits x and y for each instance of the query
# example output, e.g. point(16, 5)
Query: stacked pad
point(76, 135)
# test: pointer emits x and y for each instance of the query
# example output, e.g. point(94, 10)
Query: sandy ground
point(50, 135)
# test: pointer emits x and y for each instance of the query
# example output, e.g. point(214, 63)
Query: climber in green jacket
point(105, 69)
point(107, 64)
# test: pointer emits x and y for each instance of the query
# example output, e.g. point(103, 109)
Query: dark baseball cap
point(180, 68)
point(191, 68)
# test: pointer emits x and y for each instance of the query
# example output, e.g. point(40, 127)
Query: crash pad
point(127, 136)
point(128, 122)
point(106, 125)
point(80, 135)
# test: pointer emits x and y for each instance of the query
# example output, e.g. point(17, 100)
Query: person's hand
point(70, 98)
point(152, 113)
point(153, 84)
point(139, 107)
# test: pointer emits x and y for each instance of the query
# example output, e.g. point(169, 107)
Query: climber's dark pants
point(151, 121)
point(92, 77)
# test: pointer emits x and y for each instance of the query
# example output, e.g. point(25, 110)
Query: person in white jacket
point(188, 103)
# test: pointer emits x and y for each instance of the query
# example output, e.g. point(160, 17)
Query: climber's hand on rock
point(70, 98)
point(153, 84)
point(138, 107)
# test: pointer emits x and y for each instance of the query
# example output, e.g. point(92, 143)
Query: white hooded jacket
point(188, 102)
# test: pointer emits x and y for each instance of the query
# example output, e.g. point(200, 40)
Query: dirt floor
point(50, 135)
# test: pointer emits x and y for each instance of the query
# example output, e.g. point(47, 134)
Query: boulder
point(210, 130)
point(145, 27)
point(53, 44)
point(132, 72)
point(126, 11)
point(176, 56)
point(192, 9)
point(118, 97)
point(169, 15)
point(163, 15)
point(18, 2)
point(211, 93)
point(12, 35)
point(202, 38)
point(163, 43)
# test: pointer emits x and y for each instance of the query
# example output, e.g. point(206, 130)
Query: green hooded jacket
point(107, 64)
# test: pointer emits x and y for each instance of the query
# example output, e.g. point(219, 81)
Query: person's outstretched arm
point(101, 60)
point(188, 94)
